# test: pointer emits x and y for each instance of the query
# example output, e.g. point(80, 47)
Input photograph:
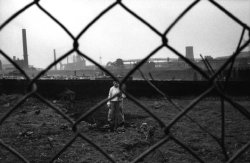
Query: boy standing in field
point(115, 106)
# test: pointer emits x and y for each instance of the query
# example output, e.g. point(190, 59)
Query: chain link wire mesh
point(213, 77)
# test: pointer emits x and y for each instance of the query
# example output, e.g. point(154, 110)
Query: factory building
point(162, 64)
point(78, 63)
point(190, 53)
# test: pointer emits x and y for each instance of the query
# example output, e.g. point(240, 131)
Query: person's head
point(116, 84)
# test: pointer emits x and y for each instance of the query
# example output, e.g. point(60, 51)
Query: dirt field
point(38, 133)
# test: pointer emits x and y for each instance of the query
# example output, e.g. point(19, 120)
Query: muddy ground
point(38, 132)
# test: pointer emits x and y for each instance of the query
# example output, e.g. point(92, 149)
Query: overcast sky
point(118, 34)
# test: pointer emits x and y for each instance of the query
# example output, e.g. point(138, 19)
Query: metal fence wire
point(213, 77)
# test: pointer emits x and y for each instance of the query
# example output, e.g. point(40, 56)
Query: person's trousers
point(115, 111)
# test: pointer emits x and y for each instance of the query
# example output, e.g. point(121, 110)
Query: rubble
point(158, 105)
point(7, 100)
point(23, 112)
point(25, 134)
point(50, 140)
point(58, 160)
point(64, 126)
point(148, 131)
point(6, 105)
point(37, 112)
point(36, 125)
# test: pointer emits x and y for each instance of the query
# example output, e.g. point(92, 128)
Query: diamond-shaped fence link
point(213, 77)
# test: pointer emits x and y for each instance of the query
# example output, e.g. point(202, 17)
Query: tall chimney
point(78, 58)
point(67, 59)
point(190, 52)
point(25, 51)
point(61, 66)
point(55, 58)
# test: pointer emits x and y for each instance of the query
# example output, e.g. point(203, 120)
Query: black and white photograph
point(140, 81)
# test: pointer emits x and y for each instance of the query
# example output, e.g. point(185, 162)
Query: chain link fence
point(213, 77)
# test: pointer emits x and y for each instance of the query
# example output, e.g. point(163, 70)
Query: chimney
point(25, 51)
point(55, 58)
point(78, 58)
point(14, 58)
point(190, 52)
point(61, 66)
point(67, 59)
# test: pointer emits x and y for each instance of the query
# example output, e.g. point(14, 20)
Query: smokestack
point(25, 51)
point(67, 59)
point(14, 58)
point(78, 58)
point(61, 66)
point(190, 52)
point(55, 58)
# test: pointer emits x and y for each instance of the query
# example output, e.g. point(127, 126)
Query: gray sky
point(118, 34)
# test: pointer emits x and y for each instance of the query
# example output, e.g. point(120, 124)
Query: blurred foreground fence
point(139, 88)
point(213, 83)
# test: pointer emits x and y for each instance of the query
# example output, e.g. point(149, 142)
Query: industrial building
point(242, 61)
point(22, 63)
point(177, 69)
point(78, 63)
point(160, 68)
point(10, 71)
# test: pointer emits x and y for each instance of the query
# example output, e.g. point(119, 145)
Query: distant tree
point(119, 67)
point(119, 62)
point(109, 64)
point(209, 58)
